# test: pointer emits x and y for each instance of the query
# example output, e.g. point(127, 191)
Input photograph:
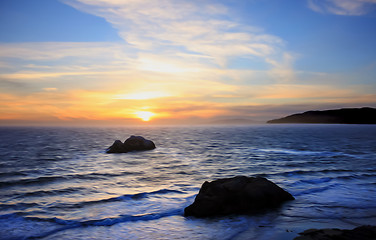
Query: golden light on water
point(144, 115)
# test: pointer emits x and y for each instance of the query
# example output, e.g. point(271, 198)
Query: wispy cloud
point(343, 7)
point(182, 27)
point(283, 68)
point(50, 89)
point(163, 41)
point(40, 51)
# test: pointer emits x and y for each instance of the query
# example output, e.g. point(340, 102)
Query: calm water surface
point(58, 183)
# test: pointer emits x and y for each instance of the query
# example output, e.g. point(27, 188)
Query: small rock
point(133, 143)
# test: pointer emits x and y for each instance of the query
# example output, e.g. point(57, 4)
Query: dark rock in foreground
point(343, 116)
point(237, 195)
point(359, 233)
point(134, 143)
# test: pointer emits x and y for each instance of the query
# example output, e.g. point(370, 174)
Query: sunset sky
point(73, 62)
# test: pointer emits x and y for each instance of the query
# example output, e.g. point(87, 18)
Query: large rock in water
point(237, 195)
point(134, 143)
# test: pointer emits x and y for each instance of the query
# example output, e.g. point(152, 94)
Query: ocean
point(58, 183)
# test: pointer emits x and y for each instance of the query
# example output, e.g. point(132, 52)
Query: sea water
point(58, 183)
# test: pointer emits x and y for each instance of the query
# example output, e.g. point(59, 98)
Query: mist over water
point(58, 183)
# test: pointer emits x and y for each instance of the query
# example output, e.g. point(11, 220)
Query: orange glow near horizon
point(157, 106)
point(144, 115)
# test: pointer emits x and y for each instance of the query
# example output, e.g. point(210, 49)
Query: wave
point(96, 175)
point(31, 181)
point(17, 206)
point(317, 181)
point(352, 207)
point(289, 151)
point(307, 152)
point(49, 179)
point(358, 176)
point(312, 216)
point(42, 193)
point(364, 173)
point(53, 192)
point(136, 196)
point(63, 224)
point(12, 174)
point(313, 190)
point(106, 221)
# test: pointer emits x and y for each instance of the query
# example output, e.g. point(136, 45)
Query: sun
point(144, 115)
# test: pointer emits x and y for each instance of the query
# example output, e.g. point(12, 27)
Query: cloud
point(342, 7)
point(182, 27)
point(14, 87)
point(283, 69)
point(40, 51)
point(143, 95)
point(191, 42)
point(50, 89)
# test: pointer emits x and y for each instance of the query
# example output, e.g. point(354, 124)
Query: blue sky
point(183, 61)
point(49, 21)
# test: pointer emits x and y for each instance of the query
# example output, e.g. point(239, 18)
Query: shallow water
point(58, 183)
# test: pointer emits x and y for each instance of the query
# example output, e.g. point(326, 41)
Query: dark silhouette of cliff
point(363, 115)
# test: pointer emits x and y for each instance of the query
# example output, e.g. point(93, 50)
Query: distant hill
point(364, 115)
